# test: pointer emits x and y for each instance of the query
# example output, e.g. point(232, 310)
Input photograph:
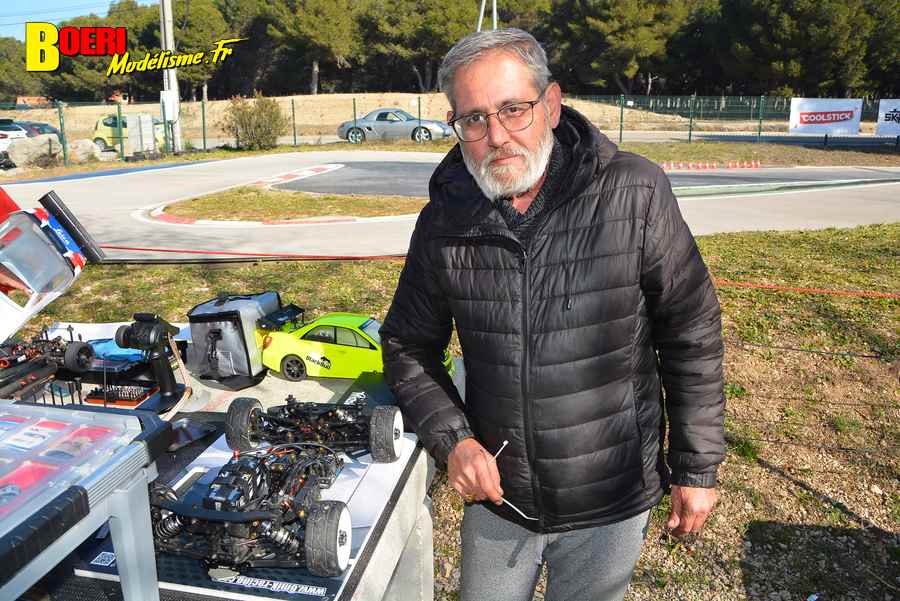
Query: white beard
point(506, 181)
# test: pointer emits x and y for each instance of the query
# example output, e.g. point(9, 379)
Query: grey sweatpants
point(501, 561)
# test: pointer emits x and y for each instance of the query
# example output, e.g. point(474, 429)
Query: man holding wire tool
point(578, 295)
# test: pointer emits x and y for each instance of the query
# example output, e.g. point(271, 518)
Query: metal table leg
point(129, 525)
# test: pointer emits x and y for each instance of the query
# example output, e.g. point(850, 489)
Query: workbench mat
point(369, 489)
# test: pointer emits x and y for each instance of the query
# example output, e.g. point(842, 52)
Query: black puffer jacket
point(560, 338)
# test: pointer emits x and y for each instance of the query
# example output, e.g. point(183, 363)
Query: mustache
point(504, 153)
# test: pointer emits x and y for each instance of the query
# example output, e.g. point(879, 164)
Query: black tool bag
point(224, 343)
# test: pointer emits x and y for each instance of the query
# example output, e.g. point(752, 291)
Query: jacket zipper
point(526, 348)
point(526, 400)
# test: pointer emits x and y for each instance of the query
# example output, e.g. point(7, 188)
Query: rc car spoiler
point(42, 251)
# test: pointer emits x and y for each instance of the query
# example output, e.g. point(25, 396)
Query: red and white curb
point(291, 176)
point(703, 165)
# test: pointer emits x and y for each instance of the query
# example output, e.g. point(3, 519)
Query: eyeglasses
point(513, 117)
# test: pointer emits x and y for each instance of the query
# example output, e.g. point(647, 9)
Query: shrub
point(255, 123)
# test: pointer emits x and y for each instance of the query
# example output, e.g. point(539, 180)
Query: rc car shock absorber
point(169, 527)
point(280, 536)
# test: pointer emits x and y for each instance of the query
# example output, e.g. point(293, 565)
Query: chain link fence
point(647, 118)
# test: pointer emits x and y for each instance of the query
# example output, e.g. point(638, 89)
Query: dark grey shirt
point(522, 224)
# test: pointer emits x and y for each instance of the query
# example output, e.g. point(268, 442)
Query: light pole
point(481, 14)
point(170, 76)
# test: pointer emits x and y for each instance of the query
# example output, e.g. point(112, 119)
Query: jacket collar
point(459, 206)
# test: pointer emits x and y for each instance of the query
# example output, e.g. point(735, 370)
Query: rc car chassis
point(349, 427)
point(262, 510)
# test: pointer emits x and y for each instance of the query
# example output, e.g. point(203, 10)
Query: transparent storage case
point(45, 450)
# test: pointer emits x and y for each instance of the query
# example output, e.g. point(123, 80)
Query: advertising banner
point(832, 116)
point(888, 117)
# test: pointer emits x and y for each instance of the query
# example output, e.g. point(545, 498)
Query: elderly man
point(578, 295)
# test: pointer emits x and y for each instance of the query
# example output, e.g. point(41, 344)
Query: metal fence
point(681, 117)
point(314, 119)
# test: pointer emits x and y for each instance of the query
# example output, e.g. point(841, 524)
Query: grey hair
point(515, 41)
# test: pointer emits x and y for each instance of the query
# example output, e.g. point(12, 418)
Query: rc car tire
point(421, 134)
point(238, 423)
point(101, 144)
point(78, 356)
point(328, 539)
point(293, 368)
point(385, 433)
point(356, 136)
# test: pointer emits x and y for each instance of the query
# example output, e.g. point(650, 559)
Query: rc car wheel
point(78, 356)
point(101, 144)
point(239, 423)
point(356, 136)
point(328, 539)
point(293, 368)
point(385, 433)
point(421, 134)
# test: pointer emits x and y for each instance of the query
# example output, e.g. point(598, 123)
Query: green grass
point(865, 258)
point(770, 155)
point(255, 204)
point(843, 424)
point(894, 504)
point(745, 490)
point(743, 447)
point(115, 292)
point(733, 390)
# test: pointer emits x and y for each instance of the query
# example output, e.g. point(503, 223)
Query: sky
point(14, 14)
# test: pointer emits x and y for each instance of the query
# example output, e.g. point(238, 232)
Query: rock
point(81, 151)
point(875, 489)
point(31, 151)
point(109, 156)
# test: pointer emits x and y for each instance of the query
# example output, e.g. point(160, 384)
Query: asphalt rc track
point(118, 208)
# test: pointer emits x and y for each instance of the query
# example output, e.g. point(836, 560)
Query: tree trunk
point(618, 81)
point(314, 80)
point(429, 76)
point(649, 82)
point(204, 91)
point(418, 78)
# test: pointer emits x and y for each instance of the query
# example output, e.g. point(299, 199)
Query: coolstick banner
point(832, 116)
point(888, 117)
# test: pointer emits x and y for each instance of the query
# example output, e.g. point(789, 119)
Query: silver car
point(392, 124)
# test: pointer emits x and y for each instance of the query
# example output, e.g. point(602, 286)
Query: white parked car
point(10, 131)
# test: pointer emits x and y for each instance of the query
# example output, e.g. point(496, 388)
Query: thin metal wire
point(516, 509)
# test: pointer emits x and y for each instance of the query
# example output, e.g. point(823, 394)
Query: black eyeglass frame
point(487, 116)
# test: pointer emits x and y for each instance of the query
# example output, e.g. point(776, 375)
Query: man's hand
point(472, 471)
point(9, 281)
point(690, 507)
